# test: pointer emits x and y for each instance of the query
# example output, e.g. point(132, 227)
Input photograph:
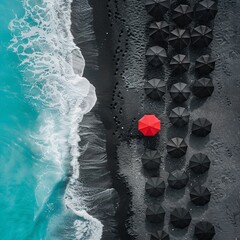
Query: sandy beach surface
point(118, 44)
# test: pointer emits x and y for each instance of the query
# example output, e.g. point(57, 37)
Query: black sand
point(120, 28)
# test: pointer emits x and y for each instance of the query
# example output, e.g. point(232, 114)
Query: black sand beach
point(121, 40)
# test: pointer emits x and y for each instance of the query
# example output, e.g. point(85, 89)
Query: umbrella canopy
point(177, 147)
point(179, 38)
point(200, 195)
point(203, 87)
point(155, 187)
point(160, 235)
point(159, 31)
point(179, 116)
point(199, 163)
point(204, 231)
point(182, 15)
point(180, 63)
point(155, 88)
point(157, 8)
point(180, 218)
point(156, 56)
point(201, 36)
point(151, 159)
point(149, 125)
point(155, 213)
point(201, 127)
point(206, 11)
point(178, 179)
point(180, 92)
point(204, 64)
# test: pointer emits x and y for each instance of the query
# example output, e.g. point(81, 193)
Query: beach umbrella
point(159, 31)
point(157, 8)
point(155, 88)
point(155, 187)
point(159, 235)
point(204, 231)
point(179, 116)
point(178, 179)
point(180, 92)
point(201, 36)
point(179, 38)
point(204, 64)
point(206, 10)
point(156, 56)
point(199, 163)
point(177, 147)
point(201, 127)
point(155, 213)
point(151, 159)
point(149, 125)
point(203, 87)
point(200, 195)
point(180, 218)
point(182, 15)
point(180, 63)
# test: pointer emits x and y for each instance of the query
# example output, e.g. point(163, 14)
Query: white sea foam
point(53, 70)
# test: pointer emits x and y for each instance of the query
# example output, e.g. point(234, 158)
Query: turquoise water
point(42, 101)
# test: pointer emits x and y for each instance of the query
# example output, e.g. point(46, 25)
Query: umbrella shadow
point(197, 103)
point(177, 232)
point(172, 164)
point(197, 211)
point(198, 143)
point(153, 227)
point(175, 194)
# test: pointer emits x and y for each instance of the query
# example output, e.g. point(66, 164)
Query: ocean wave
point(52, 67)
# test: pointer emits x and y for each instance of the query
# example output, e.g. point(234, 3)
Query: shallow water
point(43, 98)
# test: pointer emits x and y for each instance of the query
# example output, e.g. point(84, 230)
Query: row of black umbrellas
point(183, 14)
point(202, 231)
point(179, 92)
point(199, 163)
point(200, 36)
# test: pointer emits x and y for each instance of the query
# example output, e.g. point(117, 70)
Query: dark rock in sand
point(201, 127)
point(204, 231)
point(179, 116)
point(180, 218)
point(199, 163)
point(155, 213)
point(178, 179)
point(155, 186)
point(182, 15)
point(200, 195)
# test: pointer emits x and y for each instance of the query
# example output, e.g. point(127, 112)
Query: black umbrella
point(155, 88)
point(200, 195)
point(151, 159)
point(201, 36)
point(206, 10)
point(180, 92)
point(155, 187)
point(160, 235)
point(179, 116)
point(155, 213)
point(204, 231)
point(203, 87)
point(157, 8)
point(182, 15)
point(180, 63)
point(178, 179)
point(201, 127)
point(204, 64)
point(180, 218)
point(177, 147)
point(179, 38)
point(199, 163)
point(156, 55)
point(159, 31)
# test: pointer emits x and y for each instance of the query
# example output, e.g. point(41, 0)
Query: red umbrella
point(149, 125)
